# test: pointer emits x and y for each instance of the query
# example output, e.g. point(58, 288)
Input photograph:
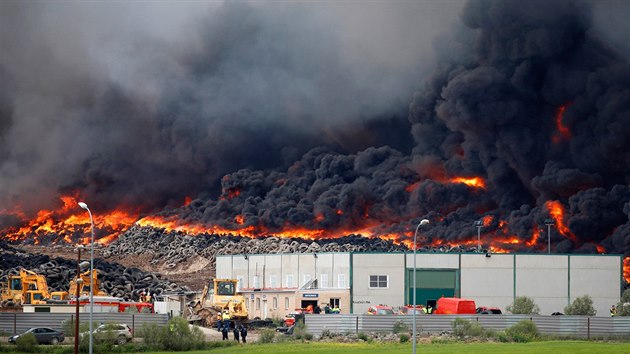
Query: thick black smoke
point(534, 97)
point(138, 105)
point(491, 109)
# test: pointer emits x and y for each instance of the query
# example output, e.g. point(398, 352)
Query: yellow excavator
point(27, 287)
point(84, 287)
point(224, 298)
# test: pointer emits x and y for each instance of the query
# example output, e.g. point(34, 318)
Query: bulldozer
point(84, 287)
point(27, 287)
point(224, 298)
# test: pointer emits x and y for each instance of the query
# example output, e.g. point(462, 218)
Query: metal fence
point(17, 322)
point(574, 326)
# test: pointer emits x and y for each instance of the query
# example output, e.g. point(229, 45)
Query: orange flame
point(71, 220)
point(535, 237)
point(476, 182)
point(563, 132)
point(556, 210)
point(487, 220)
point(239, 219)
point(626, 269)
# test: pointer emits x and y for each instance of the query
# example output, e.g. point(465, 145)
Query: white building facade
point(276, 284)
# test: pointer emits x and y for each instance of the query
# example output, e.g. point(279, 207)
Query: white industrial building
point(276, 284)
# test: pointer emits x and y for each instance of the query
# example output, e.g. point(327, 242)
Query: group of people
point(328, 309)
point(317, 310)
point(224, 324)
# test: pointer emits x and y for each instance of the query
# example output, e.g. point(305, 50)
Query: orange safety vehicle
point(455, 306)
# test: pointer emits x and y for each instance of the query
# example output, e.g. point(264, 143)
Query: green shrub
point(400, 327)
point(522, 332)
point(523, 305)
point(623, 307)
point(362, 336)
point(465, 328)
point(27, 343)
point(404, 338)
point(582, 306)
point(267, 335)
point(177, 335)
point(299, 332)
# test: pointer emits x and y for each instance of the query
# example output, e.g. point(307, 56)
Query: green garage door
point(432, 284)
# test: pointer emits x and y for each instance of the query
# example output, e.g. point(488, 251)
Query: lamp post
point(422, 222)
point(78, 281)
point(549, 223)
point(84, 206)
point(478, 224)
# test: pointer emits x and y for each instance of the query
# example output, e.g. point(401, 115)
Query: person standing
point(244, 333)
point(224, 331)
point(236, 333)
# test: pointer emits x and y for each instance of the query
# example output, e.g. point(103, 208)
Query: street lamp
point(478, 224)
point(549, 223)
point(84, 206)
point(78, 282)
point(422, 222)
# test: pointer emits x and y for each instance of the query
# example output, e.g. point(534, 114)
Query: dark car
point(43, 335)
point(489, 310)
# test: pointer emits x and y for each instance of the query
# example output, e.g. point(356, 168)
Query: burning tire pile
point(170, 249)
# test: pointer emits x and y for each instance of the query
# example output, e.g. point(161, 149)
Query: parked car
point(409, 310)
point(43, 335)
point(120, 333)
point(380, 310)
point(483, 310)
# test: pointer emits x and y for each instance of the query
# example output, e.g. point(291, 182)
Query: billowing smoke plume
point(525, 118)
point(140, 105)
point(528, 98)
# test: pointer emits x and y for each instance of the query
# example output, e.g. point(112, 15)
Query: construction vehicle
point(224, 298)
point(27, 287)
point(84, 287)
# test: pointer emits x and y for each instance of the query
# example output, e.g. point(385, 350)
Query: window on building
point(273, 281)
point(286, 303)
point(323, 279)
point(341, 281)
point(379, 281)
point(256, 282)
point(258, 304)
point(307, 278)
point(289, 281)
point(275, 302)
point(240, 284)
point(334, 302)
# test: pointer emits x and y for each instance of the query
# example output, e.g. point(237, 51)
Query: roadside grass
point(368, 348)
point(345, 348)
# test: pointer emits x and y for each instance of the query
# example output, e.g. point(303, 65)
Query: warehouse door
point(432, 284)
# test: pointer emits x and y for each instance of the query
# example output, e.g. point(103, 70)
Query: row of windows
point(289, 282)
point(334, 302)
point(376, 281)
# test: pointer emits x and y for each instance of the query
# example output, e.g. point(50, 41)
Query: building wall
point(364, 265)
point(597, 277)
point(545, 279)
point(265, 277)
point(551, 280)
point(488, 280)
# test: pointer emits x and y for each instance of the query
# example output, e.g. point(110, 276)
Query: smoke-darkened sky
point(143, 103)
point(324, 114)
